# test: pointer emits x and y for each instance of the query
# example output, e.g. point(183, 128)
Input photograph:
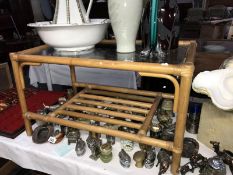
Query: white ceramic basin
point(72, 37)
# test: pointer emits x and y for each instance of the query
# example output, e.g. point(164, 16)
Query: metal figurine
point(106, 152)
point(156, 131)
point(95, 123)
point(127, 145)
point(125, 159)
point(80, 147)
point(164, 118)
point(191, 147)
point(196, 161)
point(110, 139)
point(214, 166)
point(188, 167)
point(72, 135)
point(225, 155)
point(139, 158)
point(144, 147)
point(69, 93)
point(52, 107)
point(150, 158)
point(94, 144)
point(167, 107)
point(42, 133)
point(164, 161)
point(62, 100)
point(168, 133)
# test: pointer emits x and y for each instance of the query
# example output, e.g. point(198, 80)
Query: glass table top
point(108, 52)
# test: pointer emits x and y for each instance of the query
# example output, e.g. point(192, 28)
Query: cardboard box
point(216, 125)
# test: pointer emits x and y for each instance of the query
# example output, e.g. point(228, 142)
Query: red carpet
point(11, 122)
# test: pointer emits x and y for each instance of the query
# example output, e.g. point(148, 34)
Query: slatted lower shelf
point(131, 110)
point(115, 108)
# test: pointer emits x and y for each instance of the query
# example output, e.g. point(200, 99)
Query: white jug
point(71, 12)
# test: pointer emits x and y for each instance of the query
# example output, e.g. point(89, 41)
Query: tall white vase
point(125, 18)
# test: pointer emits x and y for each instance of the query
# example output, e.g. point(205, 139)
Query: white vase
point(125, 18)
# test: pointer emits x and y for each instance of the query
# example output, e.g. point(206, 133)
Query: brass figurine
point(139, 158)
point(106, 152)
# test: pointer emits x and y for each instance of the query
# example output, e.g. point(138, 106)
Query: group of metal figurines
point(162, 127)
point(160, 29)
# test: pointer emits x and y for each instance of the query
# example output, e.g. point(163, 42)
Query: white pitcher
point(71, 12)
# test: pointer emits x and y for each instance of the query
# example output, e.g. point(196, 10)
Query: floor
point(10, 168)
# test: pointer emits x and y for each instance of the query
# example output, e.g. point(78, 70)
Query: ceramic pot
point(71, 12)
point(125, 18)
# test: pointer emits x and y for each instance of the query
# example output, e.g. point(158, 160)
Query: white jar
point(125, 18)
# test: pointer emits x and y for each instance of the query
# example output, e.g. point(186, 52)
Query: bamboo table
point(114, 105)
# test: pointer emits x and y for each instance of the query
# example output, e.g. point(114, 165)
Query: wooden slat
point(100, 119)
point(127, 102)
point(146, 124)
point(114, 106)
point(102, 111)
point(121, 95)
point(124, 90)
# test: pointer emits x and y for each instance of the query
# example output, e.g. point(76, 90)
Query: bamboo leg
point(181, 121)
point(21, 66)
point(21, 76)
point(21, 95)
point(73, 78)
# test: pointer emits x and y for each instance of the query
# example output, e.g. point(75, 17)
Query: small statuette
point(72, 135)
point(95, 123)
point(168, 133)
point(93, 144)
point(167, 107)
point(125, 159)
point(150, 158)
point(106, 152)
point(156, 131)
point(80, 147)
point(69, 93)
point(164, 118)
point(144, 147)
point(127, 145)
point(61, 100)
point(57, 136)
point(110, 139)
point(164, 161)
point(215, 165)
point(139, 158)
point(42, 133)
point(190, 147)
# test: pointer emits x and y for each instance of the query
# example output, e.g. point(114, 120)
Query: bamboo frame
point(137, 102)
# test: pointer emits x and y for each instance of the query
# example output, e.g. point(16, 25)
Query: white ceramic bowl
point(72, 37)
